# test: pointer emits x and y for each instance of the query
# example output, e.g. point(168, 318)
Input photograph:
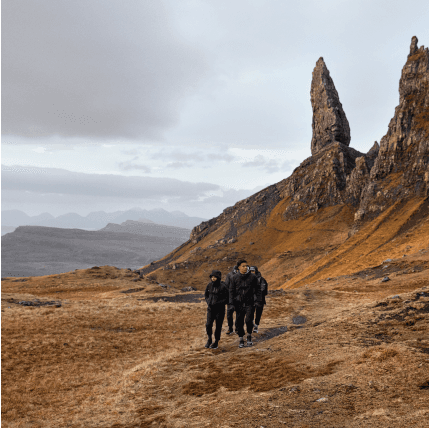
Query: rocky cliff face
point(336, 176)
point(330, 123)
point(401, 169)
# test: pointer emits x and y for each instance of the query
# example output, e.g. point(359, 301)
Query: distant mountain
point(7, 229)
point(99, 219)
point(38, 250)
point(150, 229)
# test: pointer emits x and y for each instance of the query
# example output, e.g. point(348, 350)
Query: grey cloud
point(178, 165)
point(36, 190)
point(269, 165)
point(90, 68)
point(187, 156)
point(59, 181)
point(129, 166)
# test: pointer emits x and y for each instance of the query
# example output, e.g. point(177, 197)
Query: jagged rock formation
point(330, 123)
point(401, 169)
point(337, 185)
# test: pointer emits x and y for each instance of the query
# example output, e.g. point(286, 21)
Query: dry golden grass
point(109, 359)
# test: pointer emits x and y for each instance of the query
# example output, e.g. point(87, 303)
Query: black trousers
point(258, 313)
point(215, 313)
point(229, 316)
point(245, 314)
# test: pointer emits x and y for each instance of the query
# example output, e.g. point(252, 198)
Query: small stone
point(321, 400)
point(251, 243)
point(385, 279)
point(387, 260)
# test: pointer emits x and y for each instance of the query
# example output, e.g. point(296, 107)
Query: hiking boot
point(249, 340)
point(255, 328)
point(241, 344)
point(214, 345)
point(230, 331)
point(209, 342)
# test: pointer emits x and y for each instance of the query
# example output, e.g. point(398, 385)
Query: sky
point(187, 105)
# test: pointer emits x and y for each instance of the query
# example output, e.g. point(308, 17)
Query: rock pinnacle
point(330, 123)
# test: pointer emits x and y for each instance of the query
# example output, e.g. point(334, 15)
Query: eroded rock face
point(330, 123)
point(337, 174)
point(401, 168)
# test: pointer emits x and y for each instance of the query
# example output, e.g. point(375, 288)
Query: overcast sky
point(186, 105)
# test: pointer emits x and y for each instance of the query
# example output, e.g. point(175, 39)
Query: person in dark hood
point(230, 309)
point(242, 292)
point(259, 300)
point(216, 296)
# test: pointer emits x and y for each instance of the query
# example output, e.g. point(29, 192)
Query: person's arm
point(258, 291)
point(232, 291)
point(265, 289)
point(206, 294)
point(263, 286)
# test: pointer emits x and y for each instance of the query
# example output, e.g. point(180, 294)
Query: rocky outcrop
point(401, 168)
point(330, 123)
point(335, 174)
point(241, 217)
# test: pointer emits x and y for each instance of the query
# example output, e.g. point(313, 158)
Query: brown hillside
point(340, 210)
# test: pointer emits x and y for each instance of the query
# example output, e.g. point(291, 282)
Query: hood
point(217, 274)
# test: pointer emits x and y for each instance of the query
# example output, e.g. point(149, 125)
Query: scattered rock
point(299, 319)
point(189, 289)
point(385, 279)
point(387, 261)
point(321, 400)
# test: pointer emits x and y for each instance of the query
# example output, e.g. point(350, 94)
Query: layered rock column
point(330, 123)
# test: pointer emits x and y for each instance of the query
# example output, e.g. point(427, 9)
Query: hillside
point(38, 250)
point(339, 211)
point(102, 348)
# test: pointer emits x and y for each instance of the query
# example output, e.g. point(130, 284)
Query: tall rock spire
point(330, 123)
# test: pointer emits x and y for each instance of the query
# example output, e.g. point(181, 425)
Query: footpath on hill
point(103, 348)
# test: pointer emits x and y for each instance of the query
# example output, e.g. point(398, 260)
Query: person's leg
point(209, 326)
point(239, 321)
point(229, 316)
point(249, 312)
point(220, 316)
point(259, 309)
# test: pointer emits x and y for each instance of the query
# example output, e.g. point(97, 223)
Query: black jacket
point(243, 289)
point(216, 293)
point(263, 288)
point(229, 278)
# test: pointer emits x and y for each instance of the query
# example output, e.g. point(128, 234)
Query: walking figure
point(242, 292)
point(216, 296)
point(230, 308)
point(259, 302)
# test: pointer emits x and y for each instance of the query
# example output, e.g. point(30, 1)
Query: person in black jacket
point(230, 308)
point(242, 292)
point(259, 300)
point(216, 295)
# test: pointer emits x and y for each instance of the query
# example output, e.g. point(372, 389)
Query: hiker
point(216, 296)
point(259, 300)
point(230, 308)
point(242, 291)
